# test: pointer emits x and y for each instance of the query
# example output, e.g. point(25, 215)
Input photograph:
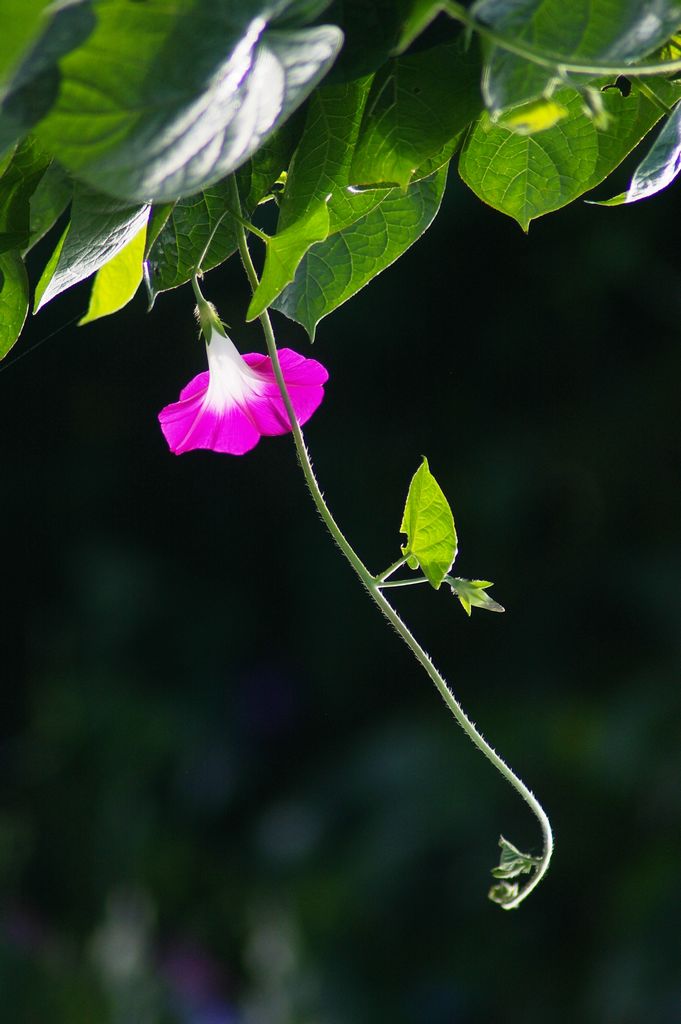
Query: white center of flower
point(232, 381)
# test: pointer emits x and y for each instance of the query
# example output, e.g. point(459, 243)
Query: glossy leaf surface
point(429, 525)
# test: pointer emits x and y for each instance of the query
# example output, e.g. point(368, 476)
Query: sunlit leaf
point(662, 163)
point(512, 862)
point(529, 176)
point(429, 525)
point(472, 594)
point(418, 102)
point(117, 281)
point(167, 97)
point(334, 270)
point(100, 227)
point(285, 250)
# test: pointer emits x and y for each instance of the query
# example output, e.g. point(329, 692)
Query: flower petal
point(304, 380)
point(191, 423)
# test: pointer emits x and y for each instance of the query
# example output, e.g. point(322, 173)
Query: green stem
point(391, 569)
point(373, 586)
point(555, 61)
point(400, 583)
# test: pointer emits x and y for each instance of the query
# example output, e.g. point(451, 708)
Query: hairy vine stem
point(373, 584)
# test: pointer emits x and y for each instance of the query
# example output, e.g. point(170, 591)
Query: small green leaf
point(512, 862)
point(285, 250)
point(471, 593)
point(206, 82)
point(117, 281)
point(417, 104)
point(100, 227)
point(429, 525)
point(13, 299)
point(334, 270)
point(503, 892)
point(529, 176)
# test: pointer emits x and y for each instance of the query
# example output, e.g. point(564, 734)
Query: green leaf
point(334, 270)
point(429, 525)
point(48, 202)
point(167, 97)
point(158, 218)
point(319, 172)
point(34, 84)
point(471, 594)
point(586, 31)
point(529, 176)
point(173, 257)
point(535, 116)
point(660, 166)
point(512, 862)
point(22, 23)
point(503, 892)
point(285, 250)
point(100, 227)
point(417, 103)
point(117, 281)
point(19, 181)
point(13, 299)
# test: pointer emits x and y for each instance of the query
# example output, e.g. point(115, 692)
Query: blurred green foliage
point(229, 797)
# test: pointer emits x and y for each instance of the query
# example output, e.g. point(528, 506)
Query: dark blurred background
point(229, 794)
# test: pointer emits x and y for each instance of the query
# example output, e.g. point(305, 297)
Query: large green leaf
point(528, 176)
point(585, 31)
point(33, 84)
point(417, 103)
point(13, 299)
point(22, 23)
point(181, 242)
point(168, 96)
point(17, 185)
point(334, 270)
point(100, 227)
point(429, 525)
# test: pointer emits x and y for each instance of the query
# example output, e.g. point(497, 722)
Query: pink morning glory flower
point(237, 401)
